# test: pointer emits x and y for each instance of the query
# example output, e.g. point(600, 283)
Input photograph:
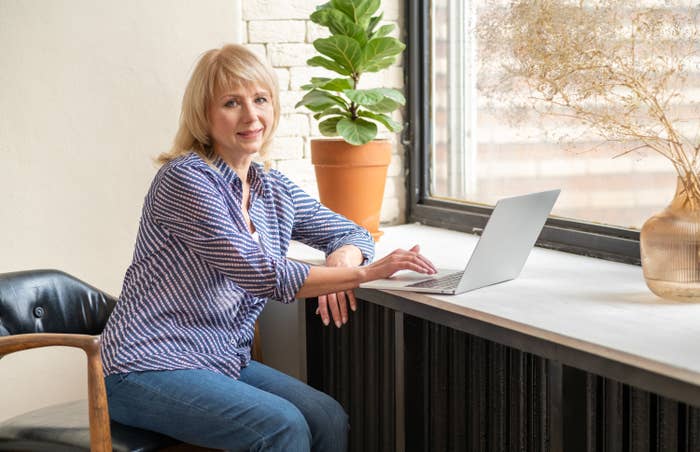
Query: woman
point(210, 251)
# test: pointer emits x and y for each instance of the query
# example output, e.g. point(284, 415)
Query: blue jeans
point(263, 410)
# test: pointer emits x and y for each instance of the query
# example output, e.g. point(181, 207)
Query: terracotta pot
point(351, 179)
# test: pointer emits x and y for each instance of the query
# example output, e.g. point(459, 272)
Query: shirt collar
point(254, 174)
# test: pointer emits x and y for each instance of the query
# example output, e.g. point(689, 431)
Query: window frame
point(579, 237)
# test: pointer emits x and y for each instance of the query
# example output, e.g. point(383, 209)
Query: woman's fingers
point(323, 309)
point(415, 261)
point(337, 303)
point(353, 301)
point(335, 311)
point(343, 305)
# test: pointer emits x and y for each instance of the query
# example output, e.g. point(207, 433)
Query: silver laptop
point(500, 253)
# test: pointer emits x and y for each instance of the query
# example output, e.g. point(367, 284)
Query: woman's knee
point(330, 425)
point(337, 416)
point(292, 431)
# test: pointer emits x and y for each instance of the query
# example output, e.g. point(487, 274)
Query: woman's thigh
point(324, 415)
point(207, 409)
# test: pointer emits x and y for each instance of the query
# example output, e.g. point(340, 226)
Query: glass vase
point(670, 245)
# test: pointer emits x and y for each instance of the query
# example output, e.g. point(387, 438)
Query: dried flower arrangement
point(617, 69)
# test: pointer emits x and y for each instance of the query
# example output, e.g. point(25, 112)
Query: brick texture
point(280, 31)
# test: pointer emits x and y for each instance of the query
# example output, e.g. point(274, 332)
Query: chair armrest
point(100, 435)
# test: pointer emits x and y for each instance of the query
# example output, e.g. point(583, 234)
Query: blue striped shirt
point(199, 280)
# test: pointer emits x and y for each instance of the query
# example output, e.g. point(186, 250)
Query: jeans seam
point(197, 408)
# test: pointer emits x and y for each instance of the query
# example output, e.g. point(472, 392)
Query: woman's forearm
point(323, 280)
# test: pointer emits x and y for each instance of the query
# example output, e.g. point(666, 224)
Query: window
point(468, 149)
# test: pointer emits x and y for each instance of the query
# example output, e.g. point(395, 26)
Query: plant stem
point(353, 106)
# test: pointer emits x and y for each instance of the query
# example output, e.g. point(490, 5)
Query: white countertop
point(588, 304)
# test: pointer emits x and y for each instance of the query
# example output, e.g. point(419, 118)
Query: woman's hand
point(337, 302)
point(399, 260)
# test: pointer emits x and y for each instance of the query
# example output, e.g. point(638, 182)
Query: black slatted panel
point(613, 417)
point(483, 396)
point(457, 403)
point(355, 365)
point(497, 397)
point(639, 433)
point(476, 397)
point(464, 393)
point(538, 414)
point(690, 428)
point(667, 424)
point(439, 388)
point(603, 415)
point(517, 401)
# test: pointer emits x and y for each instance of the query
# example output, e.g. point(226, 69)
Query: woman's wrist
point(363, 274)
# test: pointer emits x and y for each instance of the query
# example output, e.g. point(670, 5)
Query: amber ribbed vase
point(670, 245)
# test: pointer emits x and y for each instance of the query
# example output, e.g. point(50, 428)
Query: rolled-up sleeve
point(323, 229)
point(187, 204)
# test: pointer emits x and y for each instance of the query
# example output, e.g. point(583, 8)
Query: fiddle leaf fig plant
point(356, 46)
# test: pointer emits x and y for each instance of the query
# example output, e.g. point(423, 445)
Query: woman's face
point(239, 119)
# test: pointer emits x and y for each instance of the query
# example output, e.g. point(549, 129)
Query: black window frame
point(579, 237)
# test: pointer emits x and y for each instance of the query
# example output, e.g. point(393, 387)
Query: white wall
point(89, 94)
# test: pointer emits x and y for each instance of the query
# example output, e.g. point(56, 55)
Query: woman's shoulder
point(188, 166)
point(278, 179)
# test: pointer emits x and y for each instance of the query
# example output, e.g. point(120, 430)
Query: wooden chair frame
point(98, 412)
point(100, 435)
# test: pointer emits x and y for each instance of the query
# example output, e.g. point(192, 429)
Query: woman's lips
point(250, 133)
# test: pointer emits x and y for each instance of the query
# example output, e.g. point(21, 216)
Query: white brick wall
point(281, 31)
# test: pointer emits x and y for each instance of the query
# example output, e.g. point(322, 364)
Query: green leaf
point(316, 100)
point(380, 53)
point(380, 100)
point(360, 11)
point(385, 120)
point(316, 82)
point(357, 132)
point(373, 23)
point(331, 65)
point(364, 97)
point(332, 111)
point(344, 51)
point(339, 24)
point(329, 84)
point(328, 127)
point(384, 30)
point(393, 94)
point(386, 105)
point(378, 65)
point(338, 84)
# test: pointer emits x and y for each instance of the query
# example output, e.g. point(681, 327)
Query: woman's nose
point(249, 112)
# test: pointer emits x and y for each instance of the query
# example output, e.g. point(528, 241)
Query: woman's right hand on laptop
point(397, 260)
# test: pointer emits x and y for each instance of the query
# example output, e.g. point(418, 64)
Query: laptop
point(499, 255)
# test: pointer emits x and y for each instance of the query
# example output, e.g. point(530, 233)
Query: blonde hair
point(217, 70)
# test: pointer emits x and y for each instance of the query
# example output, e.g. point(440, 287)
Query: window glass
point(490, 138)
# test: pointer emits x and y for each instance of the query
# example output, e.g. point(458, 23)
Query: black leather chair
point(41, 308)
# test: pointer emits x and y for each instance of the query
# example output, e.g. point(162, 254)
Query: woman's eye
point(261, 100)
point(231, 103)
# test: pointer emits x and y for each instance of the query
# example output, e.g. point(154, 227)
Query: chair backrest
point(51, 301)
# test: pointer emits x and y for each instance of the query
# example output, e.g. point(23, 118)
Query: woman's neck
point(240, 165)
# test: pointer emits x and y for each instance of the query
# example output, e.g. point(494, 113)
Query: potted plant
point(618, 69)
point(351, 170)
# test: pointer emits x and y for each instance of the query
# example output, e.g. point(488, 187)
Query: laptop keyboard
point(445, 282)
